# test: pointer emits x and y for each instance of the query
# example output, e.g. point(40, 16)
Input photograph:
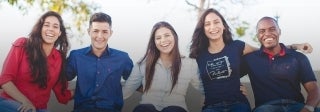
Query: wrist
point(309, 107)
point(293, 47)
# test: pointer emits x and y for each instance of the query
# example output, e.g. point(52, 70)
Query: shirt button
point(98, 72)
point(272, 58)
point(97, 85)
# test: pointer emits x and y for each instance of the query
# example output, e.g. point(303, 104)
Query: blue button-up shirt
point(98, 82)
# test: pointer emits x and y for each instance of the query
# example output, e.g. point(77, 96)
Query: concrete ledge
point(194, 100)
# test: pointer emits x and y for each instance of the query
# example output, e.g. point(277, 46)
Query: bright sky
point(133, 20)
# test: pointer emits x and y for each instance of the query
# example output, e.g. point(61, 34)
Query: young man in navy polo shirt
point(276, 73)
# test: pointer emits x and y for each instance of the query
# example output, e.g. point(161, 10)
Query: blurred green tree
point(80, 10)
point(240, 26)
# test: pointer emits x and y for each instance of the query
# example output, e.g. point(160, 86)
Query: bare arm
point(313, 92)
point(304, 47)
point(248, 49)
point(12, 90)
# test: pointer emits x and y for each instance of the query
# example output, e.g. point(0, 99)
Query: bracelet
point(309, 107)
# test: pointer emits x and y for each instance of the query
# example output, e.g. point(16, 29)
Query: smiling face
point(100, 32)
point(164, 40)
point(268, 33)
point(50, 31)
point(213, 26)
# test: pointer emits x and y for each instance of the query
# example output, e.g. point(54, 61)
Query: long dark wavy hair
point(37, 57)
point(152, 55)
point(200, 41)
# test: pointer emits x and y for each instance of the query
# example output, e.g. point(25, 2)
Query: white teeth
point(214, 32)
point(268, 39)
point(50, 35)
point(165, 45)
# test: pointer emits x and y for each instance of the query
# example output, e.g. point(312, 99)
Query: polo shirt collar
point(284, 51)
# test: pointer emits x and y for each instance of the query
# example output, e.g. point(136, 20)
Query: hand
point(305, 48)
point(27, 107)
point(244, 90)
point(304, 110)
point(72, 93)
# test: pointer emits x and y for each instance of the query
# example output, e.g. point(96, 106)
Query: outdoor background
point(133, 20)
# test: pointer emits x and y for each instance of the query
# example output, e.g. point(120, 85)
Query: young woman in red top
point(34, 66)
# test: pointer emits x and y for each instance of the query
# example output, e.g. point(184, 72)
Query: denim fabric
point(151, 108)
point(95, 110)
point(7, 105)
point(282, 105)
point(226, 106)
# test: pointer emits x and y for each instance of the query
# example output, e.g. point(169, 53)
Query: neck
point(273, 50)
point(216, 46)
point(47, 48)
point(166, 60)
point(98, 52)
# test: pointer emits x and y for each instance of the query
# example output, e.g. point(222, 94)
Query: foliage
point(240, 26)
point(79, 9)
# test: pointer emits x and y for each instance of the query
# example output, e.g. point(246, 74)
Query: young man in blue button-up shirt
point(99, 69)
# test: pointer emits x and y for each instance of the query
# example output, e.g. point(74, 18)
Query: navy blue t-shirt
point(220, 73)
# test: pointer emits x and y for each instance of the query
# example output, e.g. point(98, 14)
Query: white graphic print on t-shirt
point(219, 68)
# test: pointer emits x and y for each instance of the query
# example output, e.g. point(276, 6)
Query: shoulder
point(79, 51)
point(238, 44)
point(20, 41)
point(118, 52)
point(188, 61)
point(296, 54)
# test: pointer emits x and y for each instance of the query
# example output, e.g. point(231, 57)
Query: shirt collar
point(106, 53)
point(284, 51)
point(54, 54)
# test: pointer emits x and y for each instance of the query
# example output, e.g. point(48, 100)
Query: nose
point(268, 32)
point(100, 35)
point(163, 39)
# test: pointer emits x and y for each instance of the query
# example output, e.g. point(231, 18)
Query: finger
point(21, 108)
point(33, 110)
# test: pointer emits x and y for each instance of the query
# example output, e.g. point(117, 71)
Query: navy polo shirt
point(278, 77)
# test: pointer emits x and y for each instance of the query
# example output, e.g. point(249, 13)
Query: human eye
point(206, 24)
point(157, 37)
point(261, 31)
point(272, 29)
point(56, 26)
point(46, 24)
point(106, 32)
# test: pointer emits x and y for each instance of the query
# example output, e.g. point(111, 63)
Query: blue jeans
point(94, 110)
point(282, 105)
point(8, 105)
point(226, 106)
point(151, 108)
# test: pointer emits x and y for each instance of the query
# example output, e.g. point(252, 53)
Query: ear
point(279, 31)
point(59, 34)
point(111, 32)
point(88, 30)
